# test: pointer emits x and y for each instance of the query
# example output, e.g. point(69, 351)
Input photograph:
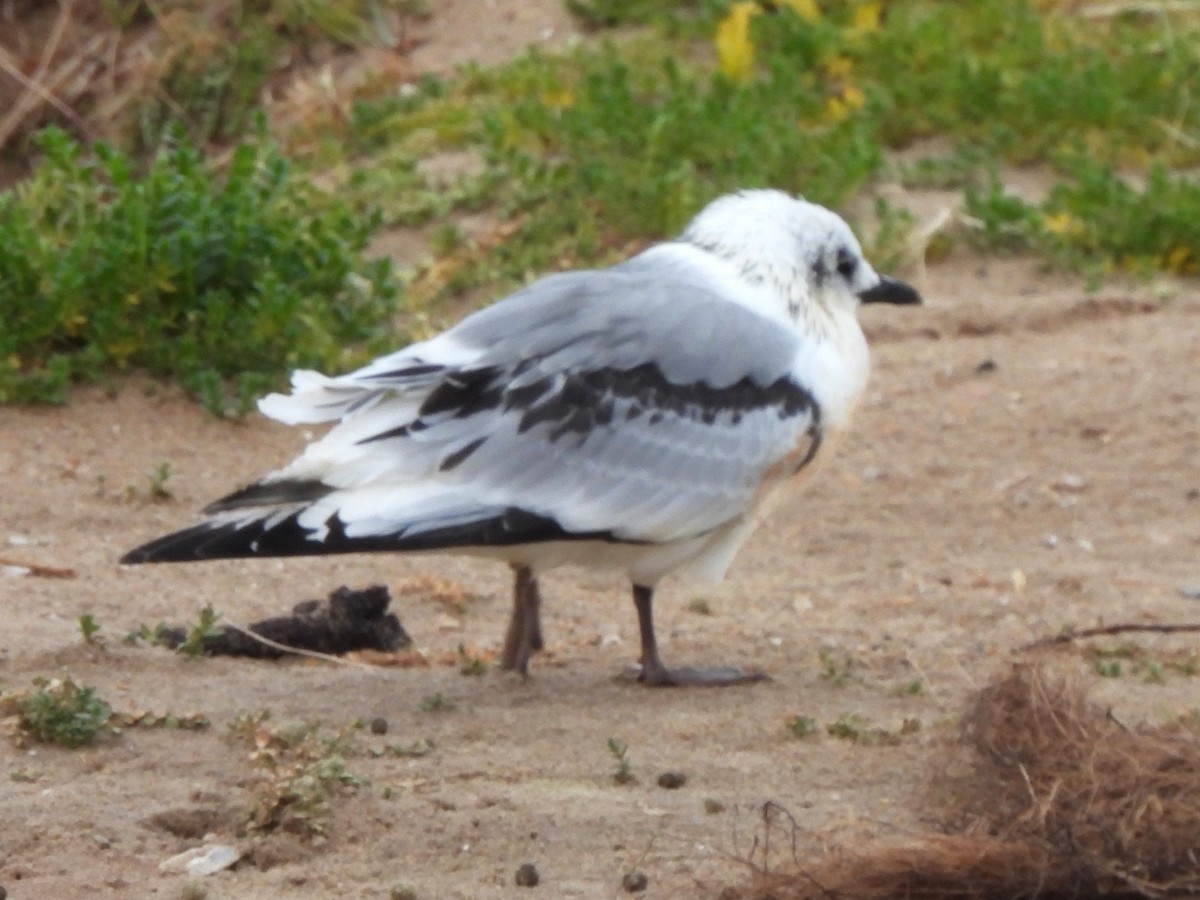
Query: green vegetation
point(436, 703)
point(1151, 667)
point(858, 730)
point(589, 154)
point(301, 769)
point(802, 726)
point(224, 277)
point(622, 766)
point(89, 628)
point(58, 711)
point(62, 711)
point(204, 628)
point(158, 482)
point(178, 272)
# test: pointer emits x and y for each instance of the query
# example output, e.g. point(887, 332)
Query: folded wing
point(618, 405)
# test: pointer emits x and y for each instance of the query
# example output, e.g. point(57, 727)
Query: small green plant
point(1108, 668)
point(152, 636)
point(59, 711)
point(470, 664)
point(700, 606)
point(837, 672)
point(1154, 672)
point(222, 281)
point(914, 688)
point(623, 771)
point(436, 703)
point(89, 628)
point(158, 482)
point(414, 750)
point(301, 767)
point(204, 628)
point(802, 726)
point(848, 727)
point(858, 730)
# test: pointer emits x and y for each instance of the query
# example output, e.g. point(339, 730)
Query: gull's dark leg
point(524, 636)
point(655, 674)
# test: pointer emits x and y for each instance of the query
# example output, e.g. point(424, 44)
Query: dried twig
point(38, 570)
point(1072, 634)
point(38, 87)
point(297, 651)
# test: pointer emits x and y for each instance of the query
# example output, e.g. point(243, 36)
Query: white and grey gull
point(643, 417)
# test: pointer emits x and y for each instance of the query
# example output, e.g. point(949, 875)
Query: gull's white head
point(805, 253)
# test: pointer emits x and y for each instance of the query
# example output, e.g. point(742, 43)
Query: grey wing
point(619, 402)
point(631, 454)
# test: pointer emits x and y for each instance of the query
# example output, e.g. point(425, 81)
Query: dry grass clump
point(123, 72)
point(1064, 801)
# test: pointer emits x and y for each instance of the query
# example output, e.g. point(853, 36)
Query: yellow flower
point(805, 9)
point(1179, 260)
point(735, 52)
point(74, 324)
point(866, 17)
point(563, 98)
point(1061, 224)
point(837, 66)
point(839, 107)
point(836, 110)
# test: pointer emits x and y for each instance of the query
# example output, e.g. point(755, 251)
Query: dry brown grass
point(1062, 801)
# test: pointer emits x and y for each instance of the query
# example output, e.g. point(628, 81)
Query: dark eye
point(846, 263)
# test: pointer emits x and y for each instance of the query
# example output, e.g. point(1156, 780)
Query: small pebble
point(402, 892)
point(986, 366)
point(672, 780)
point(3, 893)
point(379, 725)
point(1190, 591)
point(527, 875)
point(635, 882)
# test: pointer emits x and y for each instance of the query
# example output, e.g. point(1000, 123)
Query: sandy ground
point(1028, 459)
point(970, 513)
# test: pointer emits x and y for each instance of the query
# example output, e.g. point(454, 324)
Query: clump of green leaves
point(590, 154)
point(1132, 659)
point(436, 703)
point(89, 628)
point(802, 726)
point(838, 672)
point(1097, 219)
point(158, 482)
point(150, 635)
point(623, 767)
point(302, 768)
point(471, 663)
point(858, 730)
point(57, 711)
point(222, 281)
point(205, 627)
